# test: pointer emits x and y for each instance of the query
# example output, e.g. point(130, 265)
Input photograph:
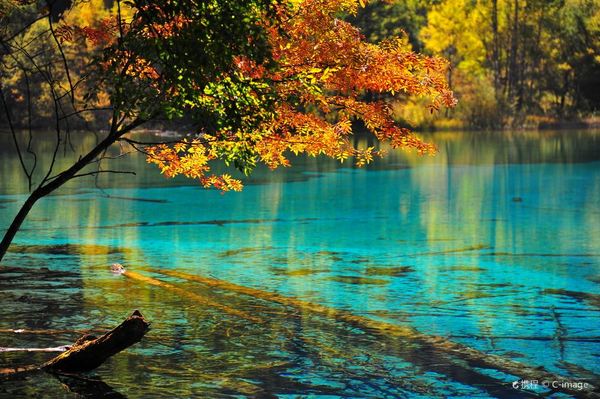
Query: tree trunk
point(90, 352)
point(495, 50)
point(16, 223)
point(512, 71)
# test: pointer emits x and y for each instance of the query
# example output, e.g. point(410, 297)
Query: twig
point(96, 172)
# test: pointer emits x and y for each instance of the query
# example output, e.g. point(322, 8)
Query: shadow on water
point(84, 387)
point(66, 249)
point(71, 385)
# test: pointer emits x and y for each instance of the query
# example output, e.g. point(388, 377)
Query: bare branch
point(96, 172)
point(103, 157)
point(29, 142)
point(135, 142)
point(138, 149)
point(64, 59)
point(35, 38)
point(82, 110)
point(69, 93)
point(58, 139)
point(14, 135)
point(51, 183)
point(24, 28)
point(58, 110)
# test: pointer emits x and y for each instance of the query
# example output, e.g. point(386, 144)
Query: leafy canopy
point(322, 77)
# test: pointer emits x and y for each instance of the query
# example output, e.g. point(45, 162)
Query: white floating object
point(117, 268)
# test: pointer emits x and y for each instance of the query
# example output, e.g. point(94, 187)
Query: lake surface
point(494, 243)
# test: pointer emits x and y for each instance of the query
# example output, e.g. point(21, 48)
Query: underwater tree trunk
point(90, 352)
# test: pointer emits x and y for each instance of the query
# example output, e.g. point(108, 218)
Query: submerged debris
point(357, 280)
point(117, 268)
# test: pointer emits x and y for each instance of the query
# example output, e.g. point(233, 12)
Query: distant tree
point(380, 20)
point(260, 79)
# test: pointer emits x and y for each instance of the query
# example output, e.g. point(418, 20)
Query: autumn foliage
point(324, 79)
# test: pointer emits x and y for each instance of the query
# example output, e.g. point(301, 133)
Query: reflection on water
point(493, 243)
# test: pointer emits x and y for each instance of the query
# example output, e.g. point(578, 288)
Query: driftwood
point(90, 352)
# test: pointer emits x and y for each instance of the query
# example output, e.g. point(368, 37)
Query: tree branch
point(14, 136)
point(64, 59)
point(82, 110)
point(30, 140)
point(96, 172)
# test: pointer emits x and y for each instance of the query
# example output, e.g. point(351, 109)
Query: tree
point(272, 78)
point(380, 20)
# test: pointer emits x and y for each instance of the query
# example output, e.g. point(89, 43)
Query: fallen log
point(89, 352)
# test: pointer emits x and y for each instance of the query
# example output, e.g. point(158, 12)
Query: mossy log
point(89, 352)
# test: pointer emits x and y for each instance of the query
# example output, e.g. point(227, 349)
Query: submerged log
point(204, 300)
point(89, 352)
point(471, 356)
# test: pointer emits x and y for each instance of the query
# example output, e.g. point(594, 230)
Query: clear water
point(493, 243)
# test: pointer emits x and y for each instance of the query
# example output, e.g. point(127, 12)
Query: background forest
point(515, 63)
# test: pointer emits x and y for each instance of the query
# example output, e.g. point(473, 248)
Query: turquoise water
point(493, 243)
